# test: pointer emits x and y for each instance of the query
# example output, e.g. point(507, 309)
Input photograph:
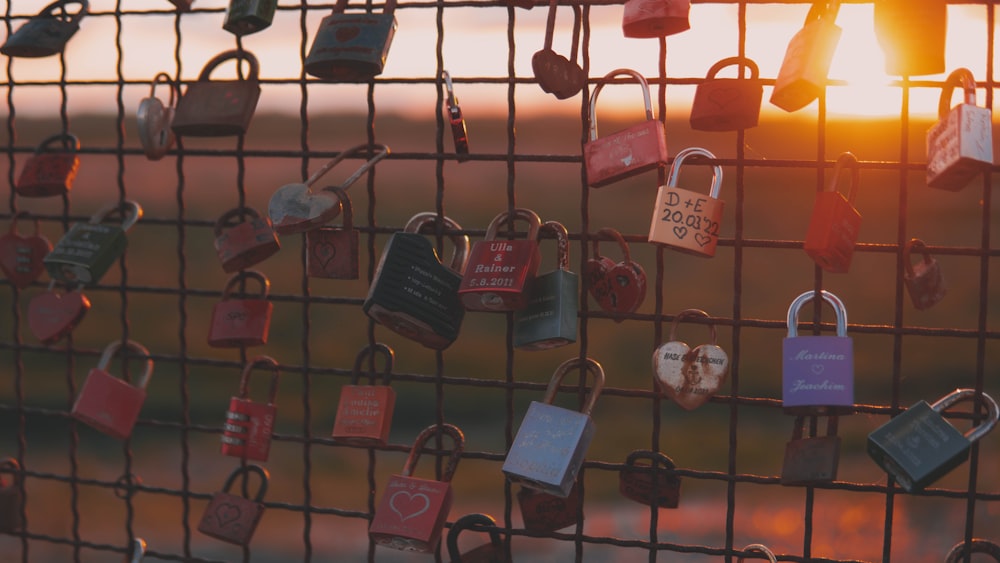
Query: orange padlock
point(50, 171)
point(802, 76)
point(727, 104)
point(833, 228)
point(686, 220)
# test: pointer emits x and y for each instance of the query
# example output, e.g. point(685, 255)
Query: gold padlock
point(686, 220)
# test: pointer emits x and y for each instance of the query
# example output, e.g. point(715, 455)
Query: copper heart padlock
point(689, 376)
point(52, 315)
point(617, 287)
point(21, 256)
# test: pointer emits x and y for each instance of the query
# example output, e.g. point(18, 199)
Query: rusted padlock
point(242, 322)
point(244, 238)
point(153, 120)
point(727, 104)
point(50, 172)
point(835, 222)
point(332, 252)
point(217, 108)
point(351, 47)
point(690, 376)
point(923, 280)
point(648, 483)
point(811, 460)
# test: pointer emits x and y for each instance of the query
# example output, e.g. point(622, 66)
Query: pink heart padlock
point(688, 376)
point(617, 287)
point(21, 256)
point(52, 315)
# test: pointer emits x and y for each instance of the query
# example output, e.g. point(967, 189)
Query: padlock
point(238, 323)
point(294, 208)
point(249, 425)
point(46, 33)
point(655, 18)
point(975, 545)
point(244, 17)
point(492, 552)
point(551, 443)
point(21, 257)
point(923, 280)
point(727, 104)
point(232, 518)
point(364, 413)
point(88, 250)
point(109, 404)
point(138, 550)
point(50, 172)
point(758, 548)
point(351, 47)
point(182, 5)
point(689, 376)
point(153, 120)
point(802, 76)
point(918, 446)
point(617, 287)
point(556, 74)
point(960, 144)
point(648, 483)
point(628, 152)
point(686, 220)
point(544, 512)
point(811, 460)
point(459, 131)
point(912, 35)
point(413, 293)
point(11, 496)
point(835, 222)
point(332, 252)
point(244, 238)
point(817, 372)
point(550, 318)
point(413, 511)
point(499, 273)
point(52, 315)
point(218, 108)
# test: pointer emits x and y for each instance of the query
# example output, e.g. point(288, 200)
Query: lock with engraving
point(686, 220)
point(219, 108)
point(332, 252)
point(802, 76)
point(912, 35)
point(689, 376)
point(550, 318)
point(47, 32)
point(835, 222)
point(817, 372)
point(88, 250)
point(492, 552)
point(153, 120)
point(11, 496)
point(459, 131)
point(234, 518)
point(546, 512)
point(243, 238)
point(811, 460)
point(655, 18)
point(21, 257)
point(976, 545)
point(617, 287)
point(653, 483)
point(53, 315)
point(50, 171)
point(364, 413)
point(107, 403)
point(960, 144)
point(727, 104)
point(351, 47)
point(923, 280)
point(556, 74)
point(249, 425)
point(238, 323)
point(499, 273)
point(244, 17)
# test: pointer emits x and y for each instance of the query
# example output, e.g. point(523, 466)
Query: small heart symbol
point(21, 257)
point(701, 239)
point(723, 97)
point(294, 209)
point(346, 33)
point(227, 513)
point(680, 231)
point(407, 505)
point(817, 368)
point(52, 316)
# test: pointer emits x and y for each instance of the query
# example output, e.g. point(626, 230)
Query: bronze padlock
point(811, 460)
point(217, 108)
point(50, 172)
point(923, 280)
point(332, 252)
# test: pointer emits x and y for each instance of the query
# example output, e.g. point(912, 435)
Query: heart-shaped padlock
point(52, 315)
point(617, 287)
point(21, 256)
point(153, 120)
point(689, 376)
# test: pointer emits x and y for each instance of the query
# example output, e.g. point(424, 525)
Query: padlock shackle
point(748, 64)
point(456, 453)
point(919, 246)
point(346, 208)
point(224, 56)
point(73, 144)
point(341, 6)
point(449, 88)
point(459, 253)
point(534, 223)
point(615, 236)
point(269, 362)
point(111, 349)
point(975, 545)
point(474, 522)
point(369, 352)
point(170, 84)
point(75, 17)
point(550, 26)
point(846, 159)
point(656, 459)
point(833, 300)
point(247, 469)
point(562, 242)
point(591, 366)
point(691, 313)
point(383, 151)
point(758, 548)
point(675, 169)
point(962, 78)
point(647, 101)
point(226, 219)
point(265, 284)
point(138, 550)
point(128, 221)
point(832, 423)
point(20, 214)
point(959, 395)
point(822, 9)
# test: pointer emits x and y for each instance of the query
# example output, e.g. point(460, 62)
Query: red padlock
point(11, 496)
point(834, 225)
point(923, 280)
point(51, 315)
point(648, 483)
point(50, 172)
point(249, 425)
point(545, 512)
point(802, 76)
point(492, 552)
point(241, 322)
point(499, 273)
point(109, 404)
point(332, 252)
point(233, 519)
point(244, 238)
point(727, 104)
point(655, 18)
point(413, 511)
point(21, 257)
point(459, 132)
point(364, 414)
point(617, 288)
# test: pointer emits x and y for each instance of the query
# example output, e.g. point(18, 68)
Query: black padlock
point(814, 459)
point(47, 33)
point(351, 47)
point(556, 74)
point(919, 446)
point(923, 280)
point(488, 553)
point(244, 17)
point(88, 250)
point(10, 496)
point(216, 108)
point(653, 483)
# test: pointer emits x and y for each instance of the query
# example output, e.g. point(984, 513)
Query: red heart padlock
point(617, 288)
point(51, 315)
point(20, 256)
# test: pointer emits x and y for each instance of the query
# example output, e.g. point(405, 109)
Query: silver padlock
point(153, 120)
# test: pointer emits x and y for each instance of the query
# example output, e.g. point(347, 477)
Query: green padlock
point(244, 17)
point(550, 319)
point(88, 250)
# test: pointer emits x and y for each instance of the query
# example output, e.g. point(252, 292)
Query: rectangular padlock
point(960, 144)
point(244, 238)
point(50, 172)
point(499, 273)
point(244, 17)
point(923, 280)
point(231, 518)
point(544, 512)
point(109, 404)
point(835, 223)
point(249, 425)
point(686, 220)
point(727, 104)
point(241, 322)
point(333, 252)
point(351, 47)
point(811, 460)
point(653, 483)
point(46, 33)
point(216, 108)
point(817, 372)
point(806, 64)
point(364, 413)
point(549, 320)
point(88, 250)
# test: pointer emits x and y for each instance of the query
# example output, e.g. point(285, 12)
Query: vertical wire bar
point(370, 131)
point(509, 380)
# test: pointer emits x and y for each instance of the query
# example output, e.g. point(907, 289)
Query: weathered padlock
point(976, 545)
point(727, 104)
point(153, 120)
point(544, 512)
point(628, 152)
point(758, 548)
point(459, 132)
point(912, 35)
point(617, 287)
point(686, 220)
point(817, 372)
point(11, 497)
point(551, 443)
point(232, 518)
point(294, 208)
point(802, 76)
point(218, 108)
point(88, 250)
point(492, 552)
point(351, 47)
point(811, 460)
point(50, 172)
point(364, 413)
point(499, 273)
point(51, 315)
point(21, 257)
point(244, 238)
point(550, 318)
point(413, 511)
point(413, 293)
point(109, 404)
point(249, 425)
point(332, 252)
point(182, 5)
point(648, 483)
point(46, 33)
point(923, 280)
point(655, 18)
point(689, 376)
point(556, 74)
point(238, 323)
point(835, 222)
point(960, 144)
point(918, 446)
point(244, 17)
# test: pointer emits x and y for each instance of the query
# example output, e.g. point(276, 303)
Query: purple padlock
point(817, 372)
